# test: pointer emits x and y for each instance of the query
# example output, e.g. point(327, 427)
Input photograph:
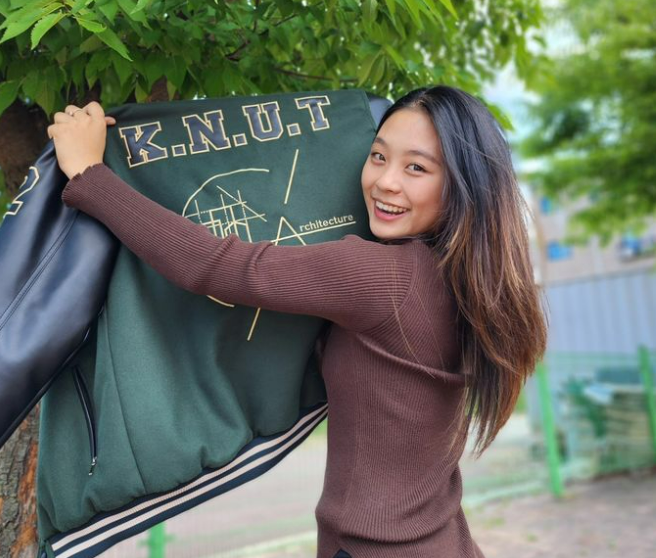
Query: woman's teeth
point(390, 208)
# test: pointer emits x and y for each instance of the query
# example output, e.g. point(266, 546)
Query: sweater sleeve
point(353, 282)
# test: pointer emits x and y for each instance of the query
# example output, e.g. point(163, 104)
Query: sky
point(509, 93)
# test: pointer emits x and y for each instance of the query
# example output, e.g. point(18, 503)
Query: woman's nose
point(389, 181)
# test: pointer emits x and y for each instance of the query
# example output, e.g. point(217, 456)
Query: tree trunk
point(23, 136)
point(18, 457)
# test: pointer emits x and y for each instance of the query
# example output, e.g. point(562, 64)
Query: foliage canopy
point(55, 50)
point(596, 120)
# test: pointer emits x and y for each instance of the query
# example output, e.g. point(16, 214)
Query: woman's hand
point(79, 135)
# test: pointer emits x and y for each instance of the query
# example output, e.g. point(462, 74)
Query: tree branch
point(308, 76)
point(234, 54)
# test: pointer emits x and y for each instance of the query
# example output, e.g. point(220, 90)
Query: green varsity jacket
point(176, 398)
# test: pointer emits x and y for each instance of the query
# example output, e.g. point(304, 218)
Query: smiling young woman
point(434, 326)
point(481, 237)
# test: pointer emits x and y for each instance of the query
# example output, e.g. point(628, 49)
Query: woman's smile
point(388, 212)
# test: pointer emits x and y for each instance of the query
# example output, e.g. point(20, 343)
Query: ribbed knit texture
point(391, 488)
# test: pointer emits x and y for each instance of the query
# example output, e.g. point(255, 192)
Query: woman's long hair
point(482, 242)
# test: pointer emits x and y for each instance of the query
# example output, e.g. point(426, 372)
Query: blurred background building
point(601, 298)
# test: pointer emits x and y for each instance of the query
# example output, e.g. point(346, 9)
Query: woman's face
point(403, 176)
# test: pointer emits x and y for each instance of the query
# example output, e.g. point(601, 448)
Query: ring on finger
point(72, 113)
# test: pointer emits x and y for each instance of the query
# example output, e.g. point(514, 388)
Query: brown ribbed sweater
point(391, 488)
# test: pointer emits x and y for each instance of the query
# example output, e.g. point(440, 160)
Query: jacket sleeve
point(353, 282)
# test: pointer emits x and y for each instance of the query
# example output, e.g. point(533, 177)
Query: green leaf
point(91, 44)
point(112, 40)
point(28, 14)
point(449, 6)
point(91, 24)
point(109, 10)
point(414, 8)
point(140, 94)
point(111, 89)
point(99, 61)
point(76, 71)
point(141, 4)
point(369, 10)
point(365, 69)
point(213, 83)
point(170, 89)
point(154, 68)
point(176, 71)
point(21, 20)
point(231, 77)
point(130, 9)
point(8, 92)
point(31, 83)
point(398, 59)
point(61, 56)
point(79, 4)
point(15, 29)
point(126, 90)
point(391, 6)
point(501, 116)
point(378, 70)
point(286, 7)
point(44, 25)
point(122, 66)
point(49, 86)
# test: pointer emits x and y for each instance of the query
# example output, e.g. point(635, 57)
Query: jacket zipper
point(85, 400)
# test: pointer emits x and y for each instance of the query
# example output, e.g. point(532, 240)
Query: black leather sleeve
point(55, 265)
point(378, 106)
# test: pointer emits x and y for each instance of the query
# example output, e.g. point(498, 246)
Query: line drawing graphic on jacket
point(233, 215)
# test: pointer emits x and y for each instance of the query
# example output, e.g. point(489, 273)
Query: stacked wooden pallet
point(607, 425)
point(627, 427)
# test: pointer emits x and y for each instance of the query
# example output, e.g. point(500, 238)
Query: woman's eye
point(377, 156)
point(417, 168)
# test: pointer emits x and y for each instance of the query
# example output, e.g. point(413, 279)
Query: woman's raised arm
point(353, 282)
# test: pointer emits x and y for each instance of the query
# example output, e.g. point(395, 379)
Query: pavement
point(608, 518)
point(273, 516)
